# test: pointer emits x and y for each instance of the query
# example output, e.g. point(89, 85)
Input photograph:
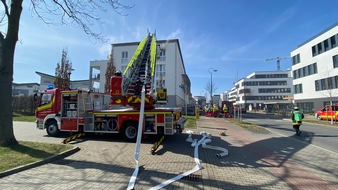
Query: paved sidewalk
point(269, 161)
point(255, 161)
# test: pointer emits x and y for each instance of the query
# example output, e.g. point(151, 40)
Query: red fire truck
point(117, 112)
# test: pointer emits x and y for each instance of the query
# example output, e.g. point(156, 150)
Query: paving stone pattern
point(255, 161)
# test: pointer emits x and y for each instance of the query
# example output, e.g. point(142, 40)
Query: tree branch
point(6, 7)
point(81, 13)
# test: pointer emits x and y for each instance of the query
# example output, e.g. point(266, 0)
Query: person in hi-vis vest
point(225, 110)
point(297, 118)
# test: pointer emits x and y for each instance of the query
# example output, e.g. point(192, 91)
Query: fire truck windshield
point(46, 98)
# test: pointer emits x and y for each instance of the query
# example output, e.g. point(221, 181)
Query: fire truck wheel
point(52, 129)
point(130, 131)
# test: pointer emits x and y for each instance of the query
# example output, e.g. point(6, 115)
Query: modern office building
point(268, 90)
point(170, 70)
point(315, 71)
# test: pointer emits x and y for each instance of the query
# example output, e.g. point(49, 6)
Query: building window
point(330, 82)
point(320, 48)
point(315, 68)
point(314, 51)
point(335, 61)
point(333, 41)
point(296, 59)
point(294, 74)
point(326, 44)
point(162, 55)
point(160, 83)
point(310, 69)
point(335, 84)
point(160, 70)
point(323, 84)
point(298, 88)
point(317, 88)
point(305, 71)
point(124, 57)
point(300, 73)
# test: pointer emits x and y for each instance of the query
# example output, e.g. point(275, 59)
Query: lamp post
point(185, 104)
point(69, 71)
point(210, 71)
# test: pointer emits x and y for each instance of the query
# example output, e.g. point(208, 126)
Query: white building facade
point(169, 69)
point(315, 71)
point(268, 90)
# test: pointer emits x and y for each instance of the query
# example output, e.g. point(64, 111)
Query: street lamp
point(69, 71)
point(185, 104)
point(210, 71)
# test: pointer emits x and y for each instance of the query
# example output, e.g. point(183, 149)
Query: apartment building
point(315, 71)
point(268, 90)
point(170, 70)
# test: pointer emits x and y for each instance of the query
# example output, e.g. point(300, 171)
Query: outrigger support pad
point(156, 145)
point(71, 138)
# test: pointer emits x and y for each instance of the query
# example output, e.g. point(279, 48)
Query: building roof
point(25, 84)
point(322, 32)
point(51, 76)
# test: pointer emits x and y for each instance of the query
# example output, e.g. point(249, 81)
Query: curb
point(41, 162)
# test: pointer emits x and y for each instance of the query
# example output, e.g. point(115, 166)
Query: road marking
point(302, 141)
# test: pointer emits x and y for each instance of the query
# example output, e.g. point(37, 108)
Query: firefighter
point(215, 110)
point(207, 109)
point(297, 118)
point(225, 110)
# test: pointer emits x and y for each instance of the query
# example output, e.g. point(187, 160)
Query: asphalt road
point(322, 135)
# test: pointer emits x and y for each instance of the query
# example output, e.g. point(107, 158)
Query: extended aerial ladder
point(140, 71)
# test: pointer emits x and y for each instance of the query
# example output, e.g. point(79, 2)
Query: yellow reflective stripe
point(47, 106)
point(130, 99)
point(136, 113)
point(136, 54)
point(70, 92)
point(153, 55)
point(137, 100)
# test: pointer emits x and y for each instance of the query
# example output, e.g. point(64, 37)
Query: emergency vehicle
point(80, 111)
point(328, 112)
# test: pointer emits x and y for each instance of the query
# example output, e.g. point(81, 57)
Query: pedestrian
point(297, 118)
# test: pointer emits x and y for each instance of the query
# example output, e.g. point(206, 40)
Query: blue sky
point(233, 36)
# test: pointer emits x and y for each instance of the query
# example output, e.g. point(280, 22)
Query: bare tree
point(80, 13)
point(109, 73)
point(63, 71)
point(211, 88)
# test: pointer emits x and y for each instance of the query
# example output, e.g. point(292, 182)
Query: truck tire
point(52, 128)
point(129, 131)
point(319, 117)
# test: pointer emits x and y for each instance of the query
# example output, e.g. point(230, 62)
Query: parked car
point(328, 112)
